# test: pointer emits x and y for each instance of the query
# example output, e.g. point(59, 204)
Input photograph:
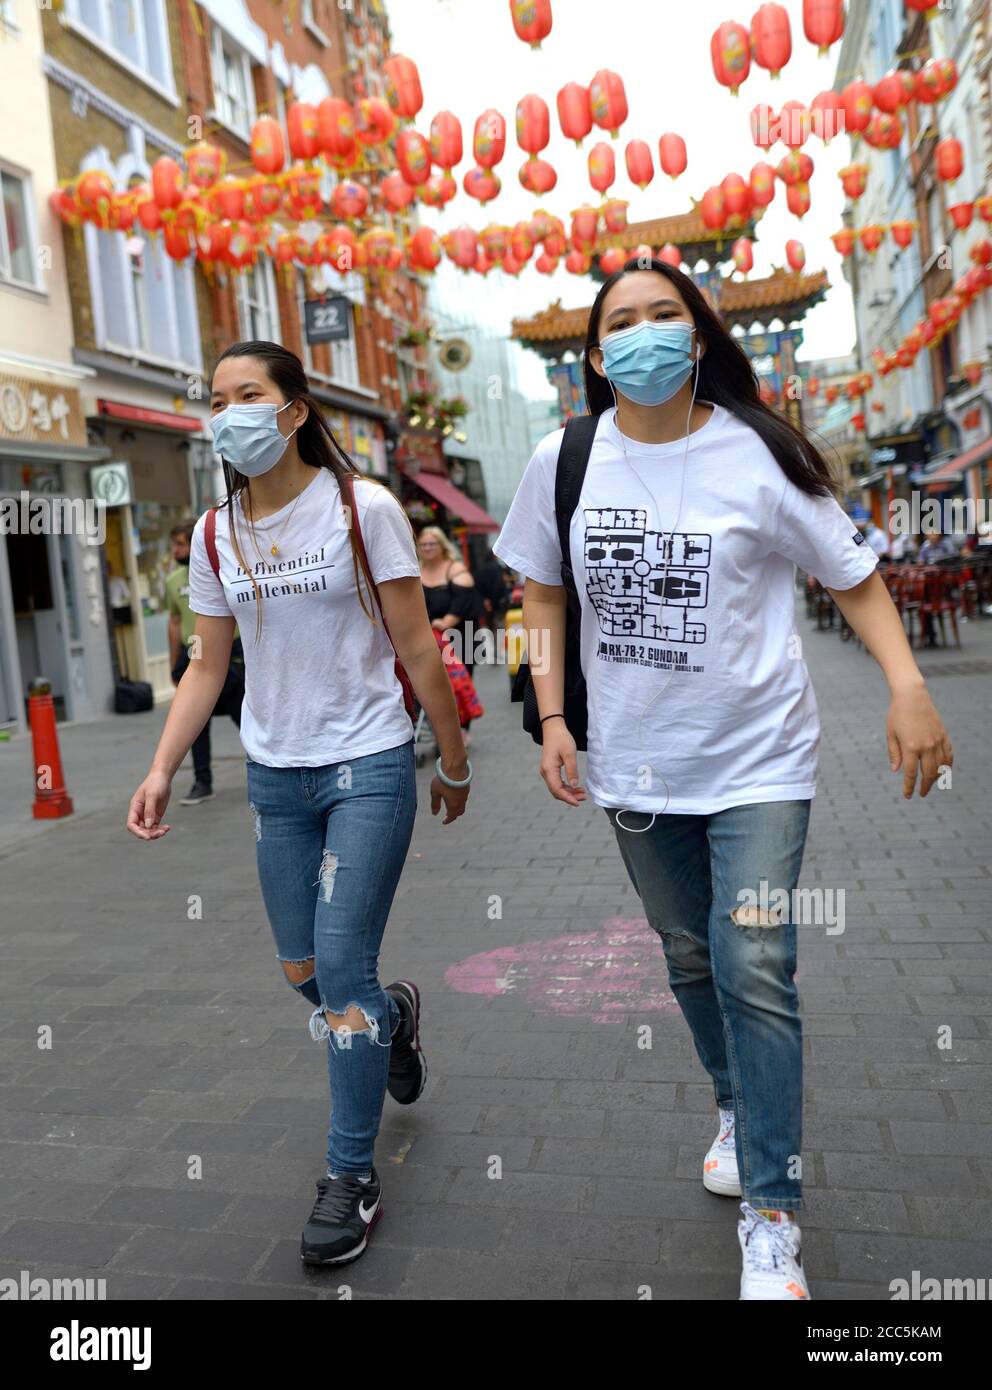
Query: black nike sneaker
point(343, 1217)
point(407, 1063)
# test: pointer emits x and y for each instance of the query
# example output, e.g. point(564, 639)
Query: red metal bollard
point(52, 801)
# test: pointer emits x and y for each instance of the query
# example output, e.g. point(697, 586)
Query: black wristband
point(552, 716)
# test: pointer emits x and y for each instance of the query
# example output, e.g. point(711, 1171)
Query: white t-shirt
point(320, 684)
point(698, 695)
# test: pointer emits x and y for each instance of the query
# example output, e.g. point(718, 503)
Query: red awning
point(455, 501)
point(157, 419)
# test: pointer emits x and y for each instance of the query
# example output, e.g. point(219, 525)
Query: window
point(144, 303)
point(134, 32)
point(234, 96)
point(258, 311)
point(16, 239)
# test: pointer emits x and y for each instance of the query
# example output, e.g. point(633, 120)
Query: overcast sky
point(470, 59)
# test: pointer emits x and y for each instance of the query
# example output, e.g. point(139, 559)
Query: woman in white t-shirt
point(327, 737)
point(697, 503)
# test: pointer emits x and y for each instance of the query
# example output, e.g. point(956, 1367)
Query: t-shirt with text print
point(698, 695)
point(320, 683)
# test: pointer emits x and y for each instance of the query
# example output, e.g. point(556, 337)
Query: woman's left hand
point(918, 741)
point(454, 799)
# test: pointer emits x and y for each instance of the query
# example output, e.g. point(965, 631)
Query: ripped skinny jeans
point(330, 844)
point(733, 979)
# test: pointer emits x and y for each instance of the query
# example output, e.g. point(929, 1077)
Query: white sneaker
point(773, 1262)
point(720, 1173)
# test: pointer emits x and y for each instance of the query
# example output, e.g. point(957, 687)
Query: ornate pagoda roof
point(785, 294)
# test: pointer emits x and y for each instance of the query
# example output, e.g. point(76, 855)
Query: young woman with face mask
point(698, 502)
point(330, 760)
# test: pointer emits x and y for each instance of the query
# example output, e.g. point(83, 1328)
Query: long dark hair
point(315, 441)
point(726, 378)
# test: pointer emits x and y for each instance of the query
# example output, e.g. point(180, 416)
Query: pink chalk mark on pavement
point(603, 975)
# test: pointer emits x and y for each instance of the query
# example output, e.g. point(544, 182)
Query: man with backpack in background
point(181, 628)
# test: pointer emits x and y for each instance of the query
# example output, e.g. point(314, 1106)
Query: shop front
point(160, 472)
point(892, 461)
point(52, 612)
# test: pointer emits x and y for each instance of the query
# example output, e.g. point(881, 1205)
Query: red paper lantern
point(531, 20)
point(302, 196)
point(395, 192)
point(670, 254)
point(94, 195)
point(227, 198)
point(983, 206)
point(493, 240)
point(614, 214)
point(148, 211)
point(484, 263)
point(489, 139)
point(730, 51)
point(949, 160)
point(902, 232)
point(794, 124)
point(771, 38)
point(961, 214)
point(521, 242)
point(827, 115)
point(981, 252)
point(929, 83)
point(263, 198)
point(462, 246)
point(424, 249)
point(795, 168)
point(413, 157)
point(537, 176)
point(336, 131)
point(533, 124)
point(482, 184)
point(813, 386)
point(858, 99)
point(268, 154)
point(608, 101)
point(858, 421)
point(712, 208)
point(871, 237)
point(797, 199)
point(854, 178)
point(167, 183)
point(830, 393)
point(743, 255)
point(547, 265)
point(374, 125)
point(574, 111)
point(823, 22)
point(672, 154)
point(795, 254)
point(446, 141)
point(585, 228)
point(301, 127)
point(972, 372)
point(176, 241)
point(612, 260)
point(205, 163)
point(894, 90)
point(921, 6)
point(640, 167)
point(764, 126)
point(736, 200)
point(438, 190)
point(762, 184)
point(213, 241)
point(578, 263)
point(349, 199)
point(602, 167)
point(843, 241)
point(401, 81)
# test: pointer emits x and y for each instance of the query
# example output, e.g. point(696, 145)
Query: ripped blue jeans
point(731, 966)
point(330, 844)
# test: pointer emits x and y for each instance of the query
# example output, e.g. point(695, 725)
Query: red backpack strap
point(348, 496)
point(210, 539)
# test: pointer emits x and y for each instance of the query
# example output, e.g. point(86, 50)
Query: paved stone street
point(173, 1038)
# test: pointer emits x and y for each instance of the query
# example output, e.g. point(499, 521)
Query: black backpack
point(573, 459)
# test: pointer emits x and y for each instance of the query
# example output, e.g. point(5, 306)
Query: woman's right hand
point(148, 805)
point(558, 751)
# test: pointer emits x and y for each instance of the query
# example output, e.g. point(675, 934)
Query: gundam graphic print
point(638, 605)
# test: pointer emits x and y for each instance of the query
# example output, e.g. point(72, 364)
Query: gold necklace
point(274, 549)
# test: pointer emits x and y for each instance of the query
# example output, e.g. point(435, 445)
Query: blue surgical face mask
point(649, 362)
point(249, 437)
